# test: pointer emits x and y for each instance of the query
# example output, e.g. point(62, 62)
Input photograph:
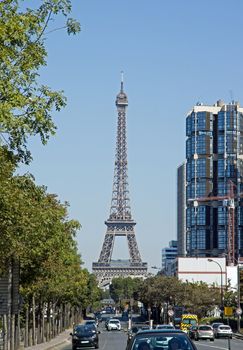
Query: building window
point(198, 239)
point(222, 239)
point(231, 117)
point(188, 125)
point(231, 143)
point(221, 144)
point(222, 216)
point(221, 168)
point(221, 121)
point(188, 191)
point(240, 215)
point(201, 121)
point(188, 217)
point(222, 190)
point(198, 215)
point(201, 215)
point(188, 148)
point(188, 171)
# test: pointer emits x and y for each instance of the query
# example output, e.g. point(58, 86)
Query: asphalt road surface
point(117, 340)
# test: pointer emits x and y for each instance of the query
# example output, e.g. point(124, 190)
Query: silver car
point(223, 331)
point(204, 331)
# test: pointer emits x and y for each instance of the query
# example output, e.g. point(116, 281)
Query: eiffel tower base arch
point(105, 272)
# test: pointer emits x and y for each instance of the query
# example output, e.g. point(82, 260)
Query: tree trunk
point(33, 321)
point(42, 322)
point(12, 331)
point(26, 332)
point(5, 332)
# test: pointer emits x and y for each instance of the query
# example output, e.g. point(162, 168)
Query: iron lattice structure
point(120, 222)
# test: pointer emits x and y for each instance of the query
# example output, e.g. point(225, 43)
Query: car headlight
point(75, 337)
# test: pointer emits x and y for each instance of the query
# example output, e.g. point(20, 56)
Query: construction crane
point(229, 202)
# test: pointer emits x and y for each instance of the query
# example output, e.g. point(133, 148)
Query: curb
point(52, 344)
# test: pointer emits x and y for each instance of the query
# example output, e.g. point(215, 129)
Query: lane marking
point(212, 346)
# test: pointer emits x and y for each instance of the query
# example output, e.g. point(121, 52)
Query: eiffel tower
point(120, 222)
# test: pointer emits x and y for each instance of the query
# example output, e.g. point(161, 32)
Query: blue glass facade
point(214, 156)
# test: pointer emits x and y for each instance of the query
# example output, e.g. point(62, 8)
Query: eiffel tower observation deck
point(120, 222)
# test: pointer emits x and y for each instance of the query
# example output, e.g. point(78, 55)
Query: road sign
point(170, 313)
point(228, 311)
point(238, 311)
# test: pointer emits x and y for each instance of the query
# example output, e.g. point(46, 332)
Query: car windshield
point(114, 321)
point(189, 321)
point(82, 330)
point(162, 341)
point(204, 328)
point(224, 327)
point(215, 325)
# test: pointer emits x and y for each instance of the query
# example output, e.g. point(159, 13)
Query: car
point(98, 317)
point(215, 325)
point(223, 331)
point(164, 326)
point(159, 339)
point(91, 322)
point(192, 331)
point(136, 327)
point(113, 324)
point(204, 331)
point(108, 320)
point(84, 336)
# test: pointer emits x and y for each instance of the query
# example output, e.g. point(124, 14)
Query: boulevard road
point(117, 340)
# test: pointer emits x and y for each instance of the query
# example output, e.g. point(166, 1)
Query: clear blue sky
point(173, 54)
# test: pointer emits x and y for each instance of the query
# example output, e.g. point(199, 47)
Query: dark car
point(136, 328)
point(160, 339)
point(84, 336)
point(91, 323)
point(192, 332)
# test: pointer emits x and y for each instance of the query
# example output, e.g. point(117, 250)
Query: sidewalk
point(60, 339)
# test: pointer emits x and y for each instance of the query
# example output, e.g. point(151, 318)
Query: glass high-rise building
point(214, 160)
point(181, 209)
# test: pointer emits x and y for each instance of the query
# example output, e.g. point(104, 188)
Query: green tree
point(26, 106)
point(123, 290)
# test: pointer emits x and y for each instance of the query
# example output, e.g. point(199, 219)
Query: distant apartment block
point(169, 254)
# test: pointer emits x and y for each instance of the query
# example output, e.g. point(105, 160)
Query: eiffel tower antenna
point(120, 222)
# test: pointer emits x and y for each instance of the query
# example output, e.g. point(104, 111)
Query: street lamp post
point(221, 286)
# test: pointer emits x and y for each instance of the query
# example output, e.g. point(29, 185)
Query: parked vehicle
point(223, 331)
point(160, 339)
point(204, 331)
point(84, 336)
point(113, 324)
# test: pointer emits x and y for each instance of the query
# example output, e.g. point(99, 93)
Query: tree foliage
point(26, 106)
point(159, 290)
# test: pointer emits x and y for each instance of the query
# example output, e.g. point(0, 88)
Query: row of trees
point(160, 290)
point(37, 235)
